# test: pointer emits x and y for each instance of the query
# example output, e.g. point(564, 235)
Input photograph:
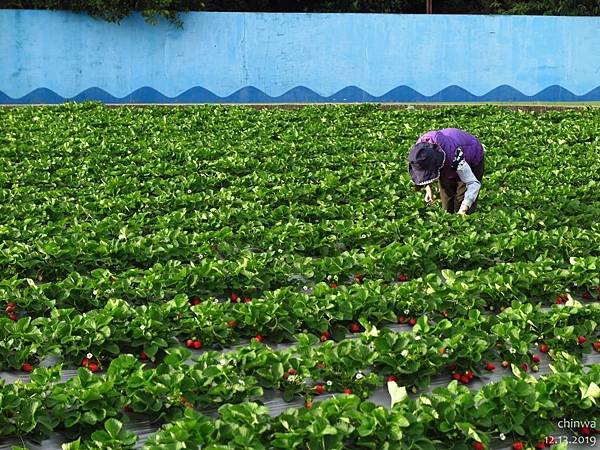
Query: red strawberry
point(258, 338)
point(10, 308)
point(320, 365)
point(326, 334)
point(197, 344)
point(540, 445)
point(489, 366)
point(412, 322)
point(445, 314)
point(543, 348)
point(143, 356)
point(456, 376)
point(247, 300)
point(524, 367)
point(195, 301)
point(535, 358)
point(347, 391)
point(189, 343)
point(93, 367)
point(234, 297)
point(231, 323)
point(596, 346)
point(319, 388)
point(586, 295)
point(464, 379)
point(333, 285)
point(12, 316)
point(403, 278)
point(354, 328)
point(392, 378)
point(358, 278)
point(308, 405)
point(478, 446)
point(323, 338)
point(401, 319)
point(505, 364)
point(26, 367)
point(469, 374)
point(292, 371)
point(582, 339)
point(585, 430)
point(85, 362)
point(518, 446)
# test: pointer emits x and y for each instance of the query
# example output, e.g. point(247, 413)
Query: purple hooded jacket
point(449, 139)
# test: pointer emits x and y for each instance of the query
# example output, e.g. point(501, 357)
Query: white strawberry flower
point(417, 338)
point(200, 256)
point(280, 250)
point(502, 436)
point(305, 288)
point(95, 292)
point(329, 382)
point(512, 350)
point(329, 277)
point(89, 356)
point(292, 378)
point(189, 191)
point(142, 327)
point(404, 353)
point(363, 236)
point(242, 382)
point(445, 355)
point(359, 375)
point(406, 311)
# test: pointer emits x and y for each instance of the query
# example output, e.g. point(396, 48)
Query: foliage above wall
point(114, 11)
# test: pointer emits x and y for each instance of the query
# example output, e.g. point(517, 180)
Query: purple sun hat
point(425, 161)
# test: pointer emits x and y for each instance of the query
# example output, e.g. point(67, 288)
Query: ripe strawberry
point(319, 388)
point(489, 366)
point(26, 367)
point(247, 300)
point(10, 307)
point(392, 378)
point(469, 374)
point(259, 338)
point(540, 445)
point(596, 346)
point(347, 391)
point(464, 379)
point(85, 362)
point(518, 446)
point(401, 319)
point(292, 371)
point(143, 356)
point(535, 358)
point(323, 338)
point(189, 343)
point(505, 364)
point(354, 327)
point(358, 278)
point(326, 334)
point(197, 344)
point(412, 322)
point(456, 376)
point(544, 348)
point(403, 278)
point(93, 367)
point(478, 446)
point(333, 285)
point(308, 404)
point(582, 339)
point(12, 316)
point(231, 323)
point(234, 297)
point(524, 367)
point(195, 300)
point(559, 300)
point(445, 314)
point(585, 430)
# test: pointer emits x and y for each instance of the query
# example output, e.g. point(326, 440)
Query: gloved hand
point(428, 195)
point(463, 210)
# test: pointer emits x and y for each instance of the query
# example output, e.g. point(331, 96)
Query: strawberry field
point(237, 278)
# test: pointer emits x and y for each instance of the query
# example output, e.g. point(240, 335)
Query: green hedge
point(115, 10)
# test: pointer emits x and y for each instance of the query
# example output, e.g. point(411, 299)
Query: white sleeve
point(473, 185)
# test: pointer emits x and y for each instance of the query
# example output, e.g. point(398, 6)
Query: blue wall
point(50, 57)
